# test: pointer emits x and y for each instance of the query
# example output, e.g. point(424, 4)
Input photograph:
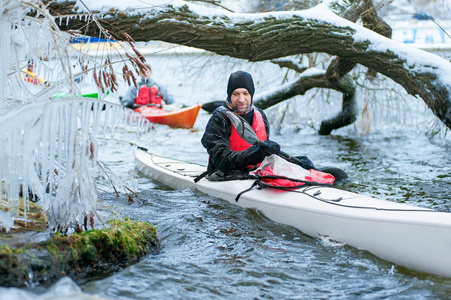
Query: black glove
point(305, 162)
point(271, 147)
point(252, 156)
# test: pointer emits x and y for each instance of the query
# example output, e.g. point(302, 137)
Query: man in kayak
point(228, 151)
point(147, 93)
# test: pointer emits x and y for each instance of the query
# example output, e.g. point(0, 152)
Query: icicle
point(85, 117)
point(49, 146)
point(96, 118)
point(105, 121)
point(12, 181)
point(24, 174)
point(52, 140)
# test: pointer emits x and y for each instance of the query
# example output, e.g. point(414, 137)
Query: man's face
point(30, 68)
point(146, 73)
point(241, 100)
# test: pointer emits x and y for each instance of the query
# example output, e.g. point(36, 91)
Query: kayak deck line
point(186, 171)
point(335, 202)
point(304, 190)
point(410, 236)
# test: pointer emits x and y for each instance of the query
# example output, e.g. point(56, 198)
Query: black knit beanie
point(240, 79)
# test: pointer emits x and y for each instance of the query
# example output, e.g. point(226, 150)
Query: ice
point(49, 146)
point(6, 221)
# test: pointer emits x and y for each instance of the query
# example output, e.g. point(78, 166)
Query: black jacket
point(216, 141)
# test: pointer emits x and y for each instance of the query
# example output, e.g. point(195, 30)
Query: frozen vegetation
point(50, 144)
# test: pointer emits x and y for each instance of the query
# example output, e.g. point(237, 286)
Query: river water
point(211, 249)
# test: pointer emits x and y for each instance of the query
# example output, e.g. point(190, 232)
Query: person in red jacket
point(148, 92)
point(227, 150)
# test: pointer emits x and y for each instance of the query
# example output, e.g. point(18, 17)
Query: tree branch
point(258, 37)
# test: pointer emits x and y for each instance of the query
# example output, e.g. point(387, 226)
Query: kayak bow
point(180, 118)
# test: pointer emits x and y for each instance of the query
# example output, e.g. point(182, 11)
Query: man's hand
point(270, 147)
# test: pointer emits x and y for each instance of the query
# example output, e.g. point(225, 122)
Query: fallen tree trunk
point(258, 37)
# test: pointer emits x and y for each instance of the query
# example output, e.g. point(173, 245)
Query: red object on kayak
point(180, 118)
point(279, 180)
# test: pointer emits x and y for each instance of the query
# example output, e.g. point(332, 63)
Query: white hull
point(413, 237)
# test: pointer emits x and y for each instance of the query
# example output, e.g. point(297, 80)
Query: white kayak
point(412, 237)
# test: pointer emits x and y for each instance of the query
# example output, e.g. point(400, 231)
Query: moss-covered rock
point(79, 255)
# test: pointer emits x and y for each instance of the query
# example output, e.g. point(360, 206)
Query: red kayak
point(179, 118)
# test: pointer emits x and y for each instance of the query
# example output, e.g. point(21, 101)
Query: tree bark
point(258, 37)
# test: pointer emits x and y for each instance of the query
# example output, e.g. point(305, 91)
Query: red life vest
point(148, 95)
point(258, 125)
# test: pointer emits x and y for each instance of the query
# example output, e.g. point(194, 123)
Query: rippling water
point(211, 249)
